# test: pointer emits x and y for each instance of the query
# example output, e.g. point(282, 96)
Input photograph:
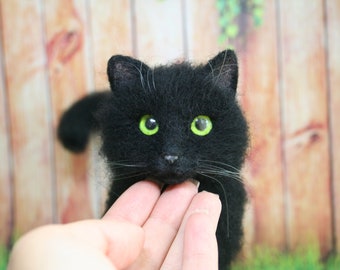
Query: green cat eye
point(201, 125)
point(148, 125)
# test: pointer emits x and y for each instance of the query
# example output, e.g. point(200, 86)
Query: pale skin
point(142, 230)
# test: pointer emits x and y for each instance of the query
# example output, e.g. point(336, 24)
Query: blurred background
point(53, 52)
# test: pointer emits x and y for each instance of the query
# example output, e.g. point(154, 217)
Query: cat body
point(170, 123)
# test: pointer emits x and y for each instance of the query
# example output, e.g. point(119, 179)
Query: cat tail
point(78, 122)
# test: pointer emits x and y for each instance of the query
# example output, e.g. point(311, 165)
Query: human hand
point(142, 230)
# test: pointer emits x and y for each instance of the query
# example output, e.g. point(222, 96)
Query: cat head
point(172, 122)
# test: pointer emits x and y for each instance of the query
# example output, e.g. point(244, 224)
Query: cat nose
point(171, 159)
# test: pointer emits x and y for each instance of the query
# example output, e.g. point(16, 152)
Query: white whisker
point(219, 163)
point(126, 165)
point(120, 177)
point(153, 79)
point(220, 169)
point(139, 69)
point(148, 81)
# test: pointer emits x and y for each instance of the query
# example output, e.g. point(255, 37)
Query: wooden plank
point(67, 73)
point(201, 47)
point(202, 29)
point(111, 28)
point(159, 31)
point(304, 106)
point(333, 26)
point(260, 99)
point(112, 33)
point(30, 131)
point(6, 196)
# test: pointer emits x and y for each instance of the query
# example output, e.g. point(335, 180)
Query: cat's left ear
point(224, 70)
point(125, 70)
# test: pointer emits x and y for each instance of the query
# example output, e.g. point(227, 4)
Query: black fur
point(78, 122)
point(174, 95)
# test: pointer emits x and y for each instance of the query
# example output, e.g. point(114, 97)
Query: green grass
point(3, 257)
point(333, 263)
point(303, 259)
point(262, 259)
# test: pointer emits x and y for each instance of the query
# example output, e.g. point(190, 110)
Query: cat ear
point(224, 70)
point(125, 70)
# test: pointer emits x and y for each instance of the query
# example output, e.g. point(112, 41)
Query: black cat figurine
point(170, 123)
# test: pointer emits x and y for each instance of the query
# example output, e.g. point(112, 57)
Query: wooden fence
point(54, 51)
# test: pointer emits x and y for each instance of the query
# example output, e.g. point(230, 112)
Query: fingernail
point(195, 182)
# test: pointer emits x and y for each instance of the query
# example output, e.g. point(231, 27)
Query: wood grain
point(333, 25)
point(28, 103)
point(202, 30)
point(67, 73)
point(159, 31)
point(304, 106)
point(111, 30)
point(260, 99)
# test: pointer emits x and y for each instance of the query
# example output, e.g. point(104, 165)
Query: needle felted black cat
point(170, 123)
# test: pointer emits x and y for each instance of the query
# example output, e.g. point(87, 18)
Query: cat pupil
point(151, 123)
point(201, 124)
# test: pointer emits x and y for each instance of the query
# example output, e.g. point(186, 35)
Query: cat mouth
point(171, 178)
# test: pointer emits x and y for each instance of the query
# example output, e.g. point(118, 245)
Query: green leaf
point(220, 4)
point(232, 30)
point(258, 2)
point(223, 21)
point(258, 16)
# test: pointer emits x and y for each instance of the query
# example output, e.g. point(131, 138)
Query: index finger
point(135, 204)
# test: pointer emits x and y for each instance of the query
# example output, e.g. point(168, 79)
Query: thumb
point(120, 241)
point(90, 244)
point(124, 244)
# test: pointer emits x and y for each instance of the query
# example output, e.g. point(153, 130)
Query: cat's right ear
point(125, 70)
point(224, 70)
